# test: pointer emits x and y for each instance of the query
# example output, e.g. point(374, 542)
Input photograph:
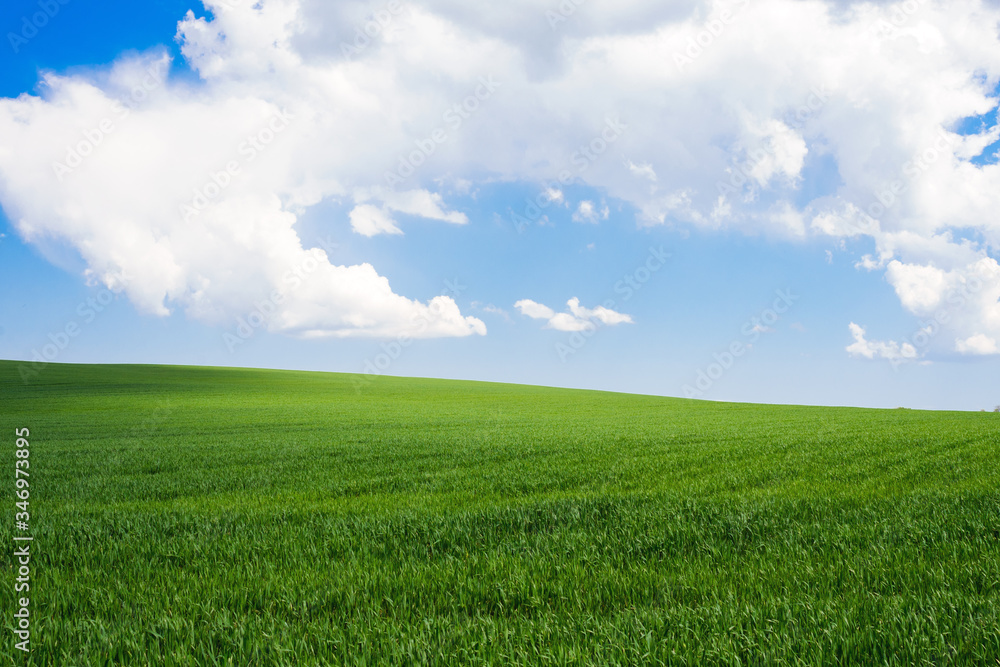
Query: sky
point(766, 201)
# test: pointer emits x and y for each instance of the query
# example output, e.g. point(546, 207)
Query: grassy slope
point(197, 515)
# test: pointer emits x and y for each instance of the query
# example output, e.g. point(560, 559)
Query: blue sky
point(92, 251)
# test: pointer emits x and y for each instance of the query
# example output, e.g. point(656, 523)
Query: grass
point(210, 516)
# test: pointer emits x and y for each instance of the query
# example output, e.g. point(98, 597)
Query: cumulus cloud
point(554, 195)
point(369, 220)
point(878, 349)
point(194, 192)
point(588, 212)
point(773, 149)
point(963, 300)
point(979, 344)
point(576, 318)
point(844, 126)
point(534, 309)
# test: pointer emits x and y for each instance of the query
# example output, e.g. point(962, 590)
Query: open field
point(221, 516)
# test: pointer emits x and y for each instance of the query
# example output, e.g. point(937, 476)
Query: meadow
point(209, 516)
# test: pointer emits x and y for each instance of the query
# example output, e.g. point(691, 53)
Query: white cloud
point(843, 220)
point(600, 313)
point(877, 349)
point(554, 195)
point(534, 309)
point(787, 220)
point(577, 318)
point(194, 192)
point(588, 212)
point(919, 288)
point(773, 149)
point(418, 202)
point(964, 301)
point(369, 220)
point(727, 142)
point(868, 263)
point(644, 170)
point(979, 344)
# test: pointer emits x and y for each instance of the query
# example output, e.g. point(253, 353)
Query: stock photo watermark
point(743, 173)
point(392, 350)
point(917, 343)
point(713, 28)
point(912, 171)
point(151, 422)
point(121, 108)
point(378, 24)
point(87, 310)
point(454, 117)
point(265, 309)
point(563, 12)
point(902, 12)
point(890, 194)
point(582, 159)
point(32, 24)
point(248, 150)
point(22, 540)
point(630, 284)
point(750, 333)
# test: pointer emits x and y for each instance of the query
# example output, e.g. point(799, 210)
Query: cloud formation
point(877, 349)
point(577, 318)
point(587, 211)
point(978, 344)
point(861, 122)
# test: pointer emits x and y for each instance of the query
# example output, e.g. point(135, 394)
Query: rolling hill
point(187, 515)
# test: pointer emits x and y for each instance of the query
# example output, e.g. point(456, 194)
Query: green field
point(205, 516)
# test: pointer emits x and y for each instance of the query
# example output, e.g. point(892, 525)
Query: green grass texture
point(212, 516)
